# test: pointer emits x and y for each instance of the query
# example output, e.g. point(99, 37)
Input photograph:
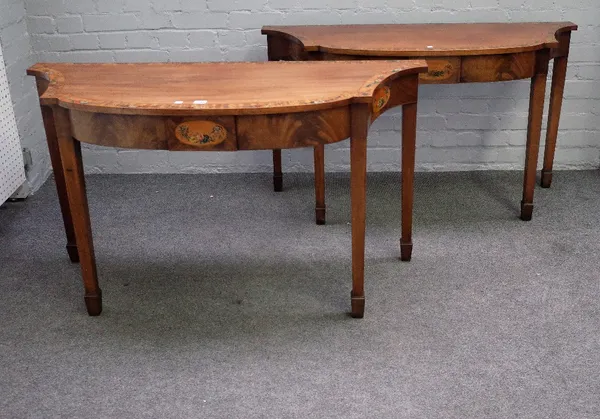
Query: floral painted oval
point(439, 70)
point(381, 98)
point(201, 133)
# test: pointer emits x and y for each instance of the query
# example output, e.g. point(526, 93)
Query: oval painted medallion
point(201, 133)
point(381, 98)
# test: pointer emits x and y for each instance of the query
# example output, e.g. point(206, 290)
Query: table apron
point(466, 69)
point(212, 133)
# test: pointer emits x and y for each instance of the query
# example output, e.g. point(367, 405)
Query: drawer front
point(293, 130)
point(125, 131)
point(503, 67)
point(194, 133)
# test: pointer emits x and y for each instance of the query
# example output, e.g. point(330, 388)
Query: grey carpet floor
point(222, 299)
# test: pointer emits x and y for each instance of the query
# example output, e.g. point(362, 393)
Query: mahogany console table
point(220, 107)
point(455, 53)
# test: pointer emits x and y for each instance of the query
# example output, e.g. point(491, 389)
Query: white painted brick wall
point(461, 127)
point(18, 56)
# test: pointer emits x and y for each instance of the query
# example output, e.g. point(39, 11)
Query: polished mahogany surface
point(433, 39)
point(216, 88)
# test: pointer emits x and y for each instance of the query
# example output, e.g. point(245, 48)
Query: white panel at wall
point(12, 172)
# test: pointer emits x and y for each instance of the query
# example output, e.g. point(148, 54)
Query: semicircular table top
point(216, 88)
point(430, 39)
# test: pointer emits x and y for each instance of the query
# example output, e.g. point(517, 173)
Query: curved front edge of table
point(67, 127)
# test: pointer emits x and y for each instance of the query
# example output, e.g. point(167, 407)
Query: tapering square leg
point(277, 173)
point(534, 130)
point(409, 135)
point(358, 186)
point(320, 184)
point(559, 74)
point(70, 155)
point(59, 179)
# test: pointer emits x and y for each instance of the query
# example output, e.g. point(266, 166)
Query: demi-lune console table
point(220, 107)
point(455, 53)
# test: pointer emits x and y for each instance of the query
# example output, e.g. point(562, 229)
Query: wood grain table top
point(434, 39)
point(216, 88)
